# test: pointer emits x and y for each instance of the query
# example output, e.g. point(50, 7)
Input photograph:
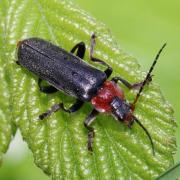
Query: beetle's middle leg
point(109, 69)
point(81, 49)
point(76, 106)
point(88, 121)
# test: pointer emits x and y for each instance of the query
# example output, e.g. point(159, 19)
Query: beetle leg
point(88, 121)
point(76, 106)
point(53, 109)
point(46, 89)
point(81, 49)
point(129, 85)
point(17, 62)
point(109, 70)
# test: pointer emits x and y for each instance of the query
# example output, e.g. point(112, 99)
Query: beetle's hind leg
point(109, 69)
point(88, 121)
point(46, 89)
point(81, 49)
point(76, 106)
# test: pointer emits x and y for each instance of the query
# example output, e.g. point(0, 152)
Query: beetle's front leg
point(88, 121)
point(129, 85)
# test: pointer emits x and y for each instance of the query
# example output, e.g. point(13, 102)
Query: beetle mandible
point(68, 73)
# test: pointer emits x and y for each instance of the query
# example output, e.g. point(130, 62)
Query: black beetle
point(69, 73)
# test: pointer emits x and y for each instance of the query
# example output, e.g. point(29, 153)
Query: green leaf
point(6, 127)
point(5, 133)
point(59, 143)
point(5, 123)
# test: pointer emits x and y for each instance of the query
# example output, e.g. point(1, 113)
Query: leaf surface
point(6, 127)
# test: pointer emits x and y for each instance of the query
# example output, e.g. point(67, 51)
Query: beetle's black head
point(121, 110)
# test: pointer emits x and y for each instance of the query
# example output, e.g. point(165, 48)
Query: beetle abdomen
point(60, 68)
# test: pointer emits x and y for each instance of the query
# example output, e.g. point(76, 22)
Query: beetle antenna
point(148, 76)
point(147, 133)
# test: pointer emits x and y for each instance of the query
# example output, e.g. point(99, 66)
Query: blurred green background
point(140, 27)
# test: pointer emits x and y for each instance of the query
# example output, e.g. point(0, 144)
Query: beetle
point(68, 73)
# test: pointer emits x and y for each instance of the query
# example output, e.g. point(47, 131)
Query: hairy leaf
point(59, 143)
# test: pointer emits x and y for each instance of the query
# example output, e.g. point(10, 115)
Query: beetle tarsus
point(88, 121)
point(53, 109)
point(43, 115)
point(109, 69)
point(91, 135)
point(17, 62)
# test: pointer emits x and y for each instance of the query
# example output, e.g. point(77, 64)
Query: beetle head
point(122, 111)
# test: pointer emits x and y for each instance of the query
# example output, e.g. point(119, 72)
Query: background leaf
point(59, 143)
point(172, 173)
